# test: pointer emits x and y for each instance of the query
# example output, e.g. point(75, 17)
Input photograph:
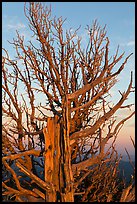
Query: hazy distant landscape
point(68, 102)
point(125, 158)
point(126, 166)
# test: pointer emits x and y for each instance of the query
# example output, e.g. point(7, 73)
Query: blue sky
point(118, 16)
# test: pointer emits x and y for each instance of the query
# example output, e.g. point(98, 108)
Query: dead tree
point(56, 74)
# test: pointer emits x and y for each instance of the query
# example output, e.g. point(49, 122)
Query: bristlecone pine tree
point(57, 114)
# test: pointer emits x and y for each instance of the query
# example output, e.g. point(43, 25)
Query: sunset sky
point(120, 20)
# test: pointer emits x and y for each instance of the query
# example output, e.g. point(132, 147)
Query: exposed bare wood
point(58, 115)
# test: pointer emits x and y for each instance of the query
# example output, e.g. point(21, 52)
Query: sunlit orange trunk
point(58, 160)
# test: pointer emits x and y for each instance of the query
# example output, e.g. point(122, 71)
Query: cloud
point(131, 43)
point(16, 26)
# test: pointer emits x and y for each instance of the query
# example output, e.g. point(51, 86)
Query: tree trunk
point(58, 169)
